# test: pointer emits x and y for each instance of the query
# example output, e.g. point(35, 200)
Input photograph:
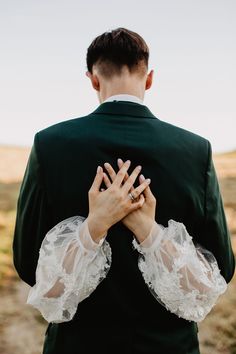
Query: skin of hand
point(110, 206)
point(140, 220)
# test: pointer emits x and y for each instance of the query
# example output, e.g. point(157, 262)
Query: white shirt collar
point(124, 97)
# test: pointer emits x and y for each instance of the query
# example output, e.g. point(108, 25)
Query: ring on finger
point(131, 196)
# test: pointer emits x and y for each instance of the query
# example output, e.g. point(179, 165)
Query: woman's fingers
point(141, 188)
point(138, 204)
point(97, 180)
point(149, 196)
point(121, 174)
point(106, 180)
point(110, 170)
point(118, 177)
point(130, 181)
point(120, 164)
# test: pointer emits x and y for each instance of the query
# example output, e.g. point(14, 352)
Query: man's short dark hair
point(112, 50)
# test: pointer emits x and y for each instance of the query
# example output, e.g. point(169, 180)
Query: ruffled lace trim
point(183, 277)
point(67, 272)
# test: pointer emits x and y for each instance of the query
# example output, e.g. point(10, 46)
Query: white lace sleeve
point(70, 267)
point(183, 277)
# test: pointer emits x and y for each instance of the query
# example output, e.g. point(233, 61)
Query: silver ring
point(131, 196)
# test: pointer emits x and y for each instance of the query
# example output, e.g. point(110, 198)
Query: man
point(121, 315)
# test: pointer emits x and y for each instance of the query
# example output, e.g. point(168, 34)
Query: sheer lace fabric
point(183, 277)
point(70, 267)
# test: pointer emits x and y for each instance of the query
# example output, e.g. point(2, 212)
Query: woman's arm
point(70, 267)
point(74, 255)
point(183, 277)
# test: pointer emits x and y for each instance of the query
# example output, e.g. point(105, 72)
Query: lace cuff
point(70, 267)
point(86, 240)
point(183, 277)
point(153, 239)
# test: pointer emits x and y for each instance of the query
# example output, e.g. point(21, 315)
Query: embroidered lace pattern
point(67, 271)
point(183, 277)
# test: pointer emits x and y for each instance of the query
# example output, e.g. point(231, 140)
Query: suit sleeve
point(216, 233)
point(33, 218)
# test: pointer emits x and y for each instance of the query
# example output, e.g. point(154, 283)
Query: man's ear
point(149, 80)
point(94, 80)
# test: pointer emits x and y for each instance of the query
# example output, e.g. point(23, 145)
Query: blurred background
point(43, 63)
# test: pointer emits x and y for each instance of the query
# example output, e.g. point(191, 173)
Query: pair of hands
point(107, 207)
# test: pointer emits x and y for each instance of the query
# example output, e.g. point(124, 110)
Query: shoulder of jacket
point(61, 127)
point(185, 134)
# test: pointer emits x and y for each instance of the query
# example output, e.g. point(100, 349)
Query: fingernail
point(127, 162)
point(119, 160)
point(148, 180)
point(106, 164)
point(139, 167)
point(98, 169)
point(142, 177)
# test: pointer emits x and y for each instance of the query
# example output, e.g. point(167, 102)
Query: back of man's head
point(113, 50)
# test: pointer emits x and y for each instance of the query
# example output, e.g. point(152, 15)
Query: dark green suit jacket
point(121, 315)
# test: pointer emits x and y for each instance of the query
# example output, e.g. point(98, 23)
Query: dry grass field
point(22, 329)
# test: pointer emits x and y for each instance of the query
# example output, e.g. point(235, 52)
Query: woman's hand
point(140, 220)
point(110, 206)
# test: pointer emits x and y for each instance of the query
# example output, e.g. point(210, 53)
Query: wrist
point(143, 231)
point(96, 227)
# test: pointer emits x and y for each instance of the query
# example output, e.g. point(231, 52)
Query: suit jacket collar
point(126, 108)
point(124, 97)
